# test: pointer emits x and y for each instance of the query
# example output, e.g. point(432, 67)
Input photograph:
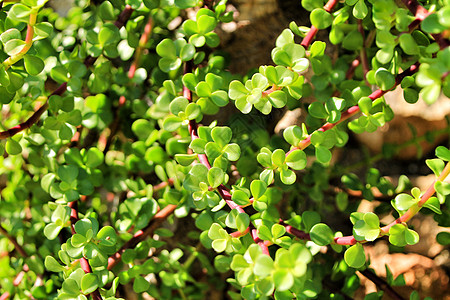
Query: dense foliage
point(106, 168)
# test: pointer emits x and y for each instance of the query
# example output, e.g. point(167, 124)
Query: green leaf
point(287, 176)
point(434, 205)
point(94, 157)
point(33, 64)
point(67, 173)
point(13, 147)
point(166, 48)
point(320, 18)
point(215, 177)
point(258, 188)
point(431, 24)
point(365, 104)
point(221, 135)
point(52, 230)
point(13, 47)
point(106, 11)
point(293, 135)
point(431, 93)
point(352, 41)
point(89, 283)
point(283, 279)
point(220, 245)
point(52, 265)
point(385, 80)
point(259, 81)
point(355, 257)
point(296, 160)
point(317, 110)
point(436, 165)
point(442, 188)
point(321, 234)
point(360, 10)
point(242, 222)
point(108, 34)
point(367, 228)
point(408, 44)
point(187, 52)
point(278, 157)
point(278, 99)
point(206, 24)
point(140, 284)
point(317, 49)
point(220, 98)
point(443, 238)
point(240, 197)
point(443, 153)
point(19, 13)
point(323, 155)
point(10, 34)
point(172, 123)
point(263, 266)
point(403, 202)
point(284, 38)
point(232, 152)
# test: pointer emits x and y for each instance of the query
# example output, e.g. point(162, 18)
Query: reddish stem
point(139, 236)
point(124, 16)
point(381, 284)
point(313, 31)
point(420, 13)
point(34, 117)
point(84, 263)
point(355, 63)
point(363, 53)
point(355, 109)
point(260, 242)
point(142, 42)
point(5, 296)
point(13, 240)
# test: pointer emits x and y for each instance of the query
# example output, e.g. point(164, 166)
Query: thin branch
point(89, 61)
point(124, 16)
point(34, 117)
point(259, 242)
point(363, 53)
point(84, 263)
point(28, 43)
point(355, 109)
point(381, 284)
point(13, 241)
point(139, 236)
point(131, 72)
point(420, 13)
point(411, 212)
point(307, 40)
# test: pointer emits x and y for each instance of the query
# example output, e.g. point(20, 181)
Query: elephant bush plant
point(115, 182)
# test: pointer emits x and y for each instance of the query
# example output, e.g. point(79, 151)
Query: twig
point(28, 43)
point(34, 117)
point(124, 16)
point(89, 61)
point(260, 242)
point(313, 31)
point(139, 236)
point(411, 212)
point(131, 72)
point(420, 13)
point(381, 284)
point(84, 263)
point(362, 53)
point(13, 241)
point(355, 109)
